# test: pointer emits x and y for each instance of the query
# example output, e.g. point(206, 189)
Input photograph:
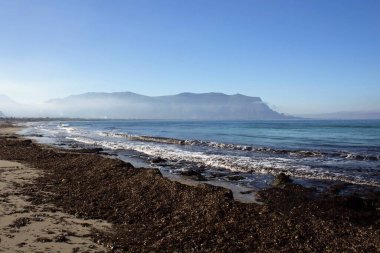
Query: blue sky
point(299, 56)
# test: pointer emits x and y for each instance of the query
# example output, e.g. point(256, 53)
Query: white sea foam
point(268, 165)
point(237, 147)
point(67, 128)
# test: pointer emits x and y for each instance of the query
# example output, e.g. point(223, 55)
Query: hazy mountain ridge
point(5, 100)
point(11, 108)
point(129, 105)
point(212, 106)
point(99, 95)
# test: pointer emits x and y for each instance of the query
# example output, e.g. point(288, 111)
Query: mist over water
point(347, 151)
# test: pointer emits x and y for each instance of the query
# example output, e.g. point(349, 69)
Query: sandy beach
point(26, 227)
point(55, 200)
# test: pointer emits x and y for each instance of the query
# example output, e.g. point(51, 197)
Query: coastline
point(151, 213)
point(220, 151)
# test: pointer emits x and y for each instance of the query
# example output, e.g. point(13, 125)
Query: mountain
point(7, 105)
point(128, 105)
point(2, 115)
point(5, 100)
point(13, 109)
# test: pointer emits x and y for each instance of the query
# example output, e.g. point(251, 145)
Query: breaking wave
point(269, 165)
point(228, 146)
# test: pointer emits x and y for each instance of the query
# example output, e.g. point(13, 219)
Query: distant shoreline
point(36, 119)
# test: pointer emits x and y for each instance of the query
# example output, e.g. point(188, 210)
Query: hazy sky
point(299, 56)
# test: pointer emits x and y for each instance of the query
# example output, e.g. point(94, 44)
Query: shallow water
point(312, 152)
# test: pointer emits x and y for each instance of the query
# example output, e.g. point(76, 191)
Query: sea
point(315, 153)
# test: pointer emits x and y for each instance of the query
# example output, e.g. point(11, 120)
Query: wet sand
point(240, 193)
point(150, 213)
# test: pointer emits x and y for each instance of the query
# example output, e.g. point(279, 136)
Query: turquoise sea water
point(333, 151)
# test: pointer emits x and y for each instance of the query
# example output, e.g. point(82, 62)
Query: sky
point(300, 57)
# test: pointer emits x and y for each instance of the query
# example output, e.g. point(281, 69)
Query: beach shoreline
point(148, 212)
point(243, 153)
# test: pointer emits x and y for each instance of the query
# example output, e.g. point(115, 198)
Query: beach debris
point(282, 179)
point(247, 192)
point(194, 174)
point(217, 174)
point(337, 188)
point(21, 244)
point(158, 160)
point(61, 238)
point(235, 177)
point(90, 150)
point(20, 222)
point(43, 239)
